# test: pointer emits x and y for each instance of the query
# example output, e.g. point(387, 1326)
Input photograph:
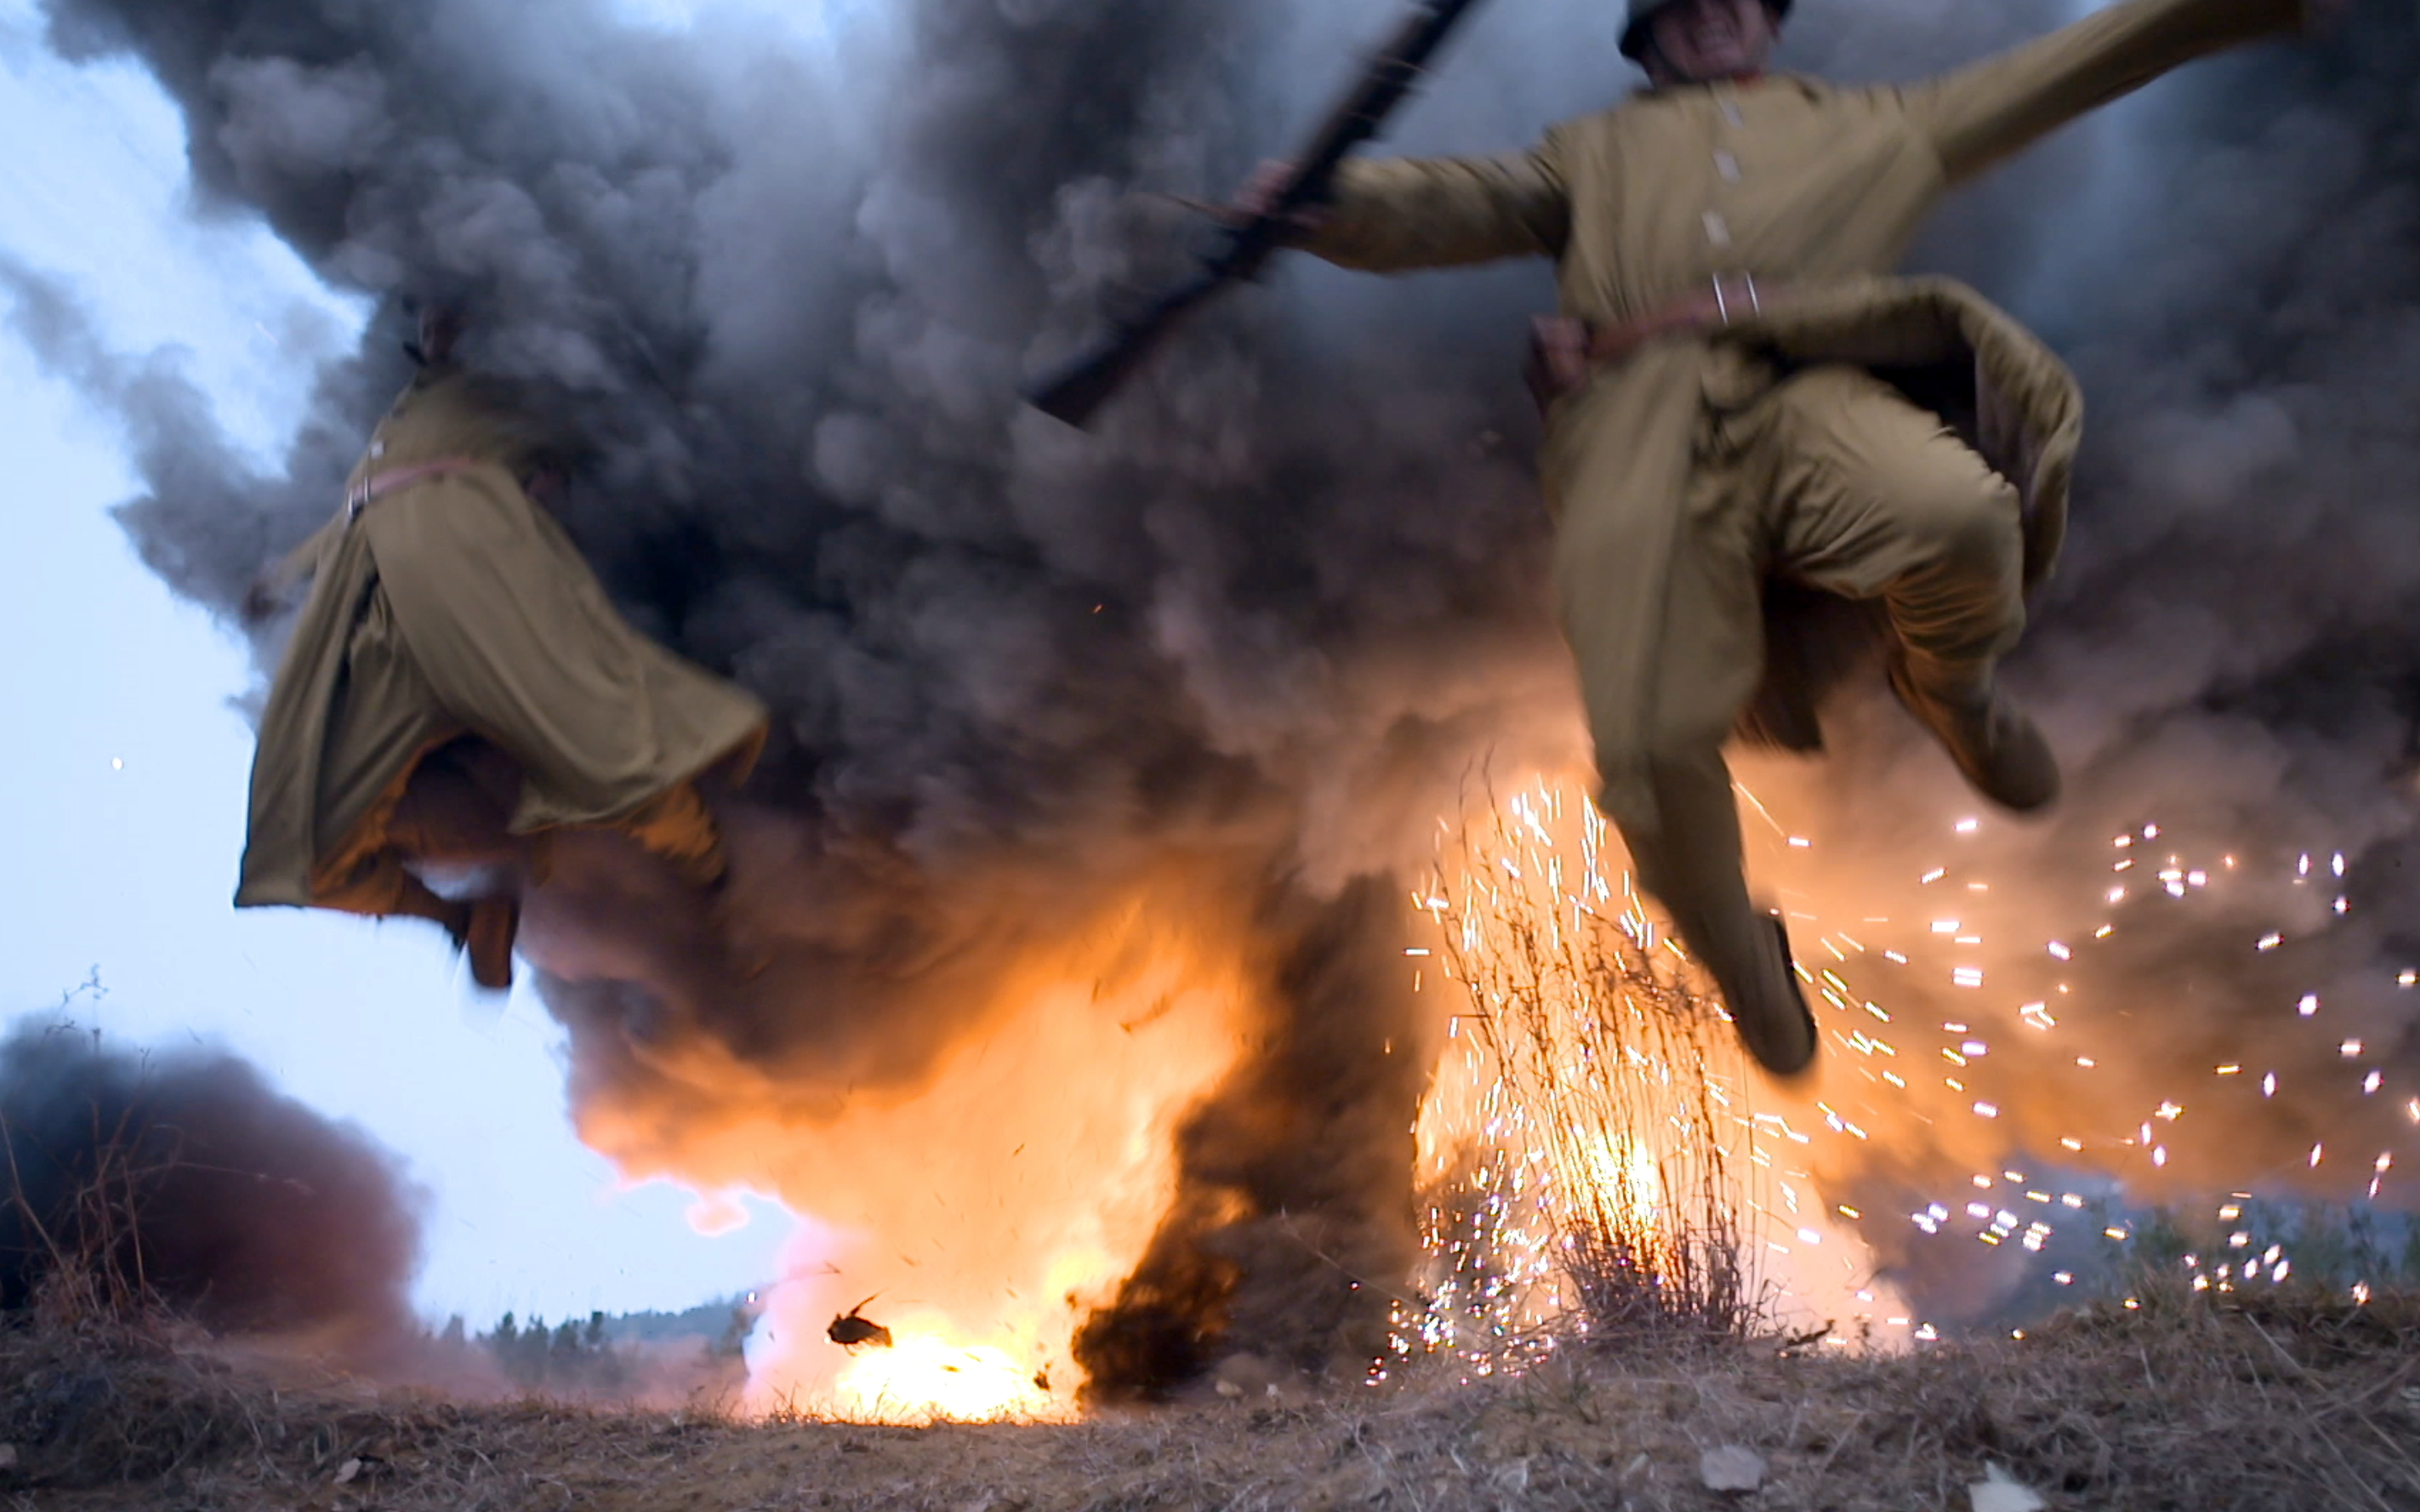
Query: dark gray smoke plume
point(1256, 630)
point(187, 1176)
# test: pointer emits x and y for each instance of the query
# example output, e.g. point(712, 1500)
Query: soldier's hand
point(1260, 194)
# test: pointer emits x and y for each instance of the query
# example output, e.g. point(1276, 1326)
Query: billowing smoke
point(185, 1176)
point(1022, 678)
point(2233, 267)
point(1225, 662)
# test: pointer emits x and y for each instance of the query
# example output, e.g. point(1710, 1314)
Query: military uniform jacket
point(1813, 189)
point(457, 607)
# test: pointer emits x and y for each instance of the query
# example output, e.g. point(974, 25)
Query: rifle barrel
point(1085, 382)
point(1075, 391)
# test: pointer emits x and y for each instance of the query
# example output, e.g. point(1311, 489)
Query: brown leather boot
point(2000, 752)
point(488, 939)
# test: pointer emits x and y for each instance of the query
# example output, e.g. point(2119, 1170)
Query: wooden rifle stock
point(1073, 392)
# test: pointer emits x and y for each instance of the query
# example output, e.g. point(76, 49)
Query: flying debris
point(853, 1331)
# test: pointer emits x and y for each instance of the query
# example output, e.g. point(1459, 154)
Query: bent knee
point(1971, 525)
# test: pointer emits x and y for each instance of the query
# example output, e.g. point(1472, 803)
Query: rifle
point(1077, 390)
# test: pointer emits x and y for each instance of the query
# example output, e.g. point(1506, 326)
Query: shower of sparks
point(1589, 1089)
point(1593, 1152)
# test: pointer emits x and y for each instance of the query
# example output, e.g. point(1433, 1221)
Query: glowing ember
point(926, 1375)
point(1591, 1143)
point(991, 1208)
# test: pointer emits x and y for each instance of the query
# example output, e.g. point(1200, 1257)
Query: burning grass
point(1591, 1327)
point(2210, 1404)
point(1594, 1166)
point(2213, 1402)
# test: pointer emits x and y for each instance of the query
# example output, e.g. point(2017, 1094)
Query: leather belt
point(370, 487)
point(1565, 353)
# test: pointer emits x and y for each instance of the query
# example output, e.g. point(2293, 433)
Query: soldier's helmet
point(1634, 36)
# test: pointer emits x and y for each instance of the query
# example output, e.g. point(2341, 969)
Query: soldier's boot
point(1999, 750)
point(1768, 1006)
point(1687, 855)
point(487, 935)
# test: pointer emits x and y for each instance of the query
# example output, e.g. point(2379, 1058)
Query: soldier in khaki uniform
point(1751, 428)
point(458, 686)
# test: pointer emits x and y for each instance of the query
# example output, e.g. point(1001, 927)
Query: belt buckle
point(1723, 299)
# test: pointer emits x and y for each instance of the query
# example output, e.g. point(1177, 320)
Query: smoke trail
point(1263, 625)
point(234, 1206)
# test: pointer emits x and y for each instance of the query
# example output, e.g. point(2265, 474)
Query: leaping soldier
point(1748, 424)
point(458, 686)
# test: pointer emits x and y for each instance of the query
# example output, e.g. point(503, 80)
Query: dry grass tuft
point(1605, 1139)
point(2212, 1405)
point(104, 1403)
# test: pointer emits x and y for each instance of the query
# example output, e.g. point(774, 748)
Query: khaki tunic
point(457, 607)
point(1670, 476)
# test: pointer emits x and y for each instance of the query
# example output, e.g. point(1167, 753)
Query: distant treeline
point(601, 1354)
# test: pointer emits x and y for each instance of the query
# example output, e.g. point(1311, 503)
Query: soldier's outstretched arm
point(1395, 214)
point(1981, 114)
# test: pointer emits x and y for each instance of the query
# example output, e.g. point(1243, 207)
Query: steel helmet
point(1634, 36)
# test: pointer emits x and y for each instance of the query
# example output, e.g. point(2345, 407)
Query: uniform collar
point(1740, 81)
point(1772, 79)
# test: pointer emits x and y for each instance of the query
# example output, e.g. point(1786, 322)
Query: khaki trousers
point(1835, 479)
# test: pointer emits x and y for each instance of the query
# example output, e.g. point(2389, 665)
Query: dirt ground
point(2199, 1406)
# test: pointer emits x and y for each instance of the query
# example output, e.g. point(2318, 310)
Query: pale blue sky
point(126, 766)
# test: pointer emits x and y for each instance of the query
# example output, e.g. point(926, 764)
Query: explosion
point(984, 1214)
point(1593, 1152)
point(1593, 1123)
point(1063, 981)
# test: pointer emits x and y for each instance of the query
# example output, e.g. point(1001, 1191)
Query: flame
point(1624, 1179)
point(981, 1214)
point(1586, 1100)
point(1584, 1087)
point(1019, 1187)
point(933, 1375)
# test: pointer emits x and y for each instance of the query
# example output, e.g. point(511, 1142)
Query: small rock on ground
point(1731, 1468)
point(1997, 1491)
